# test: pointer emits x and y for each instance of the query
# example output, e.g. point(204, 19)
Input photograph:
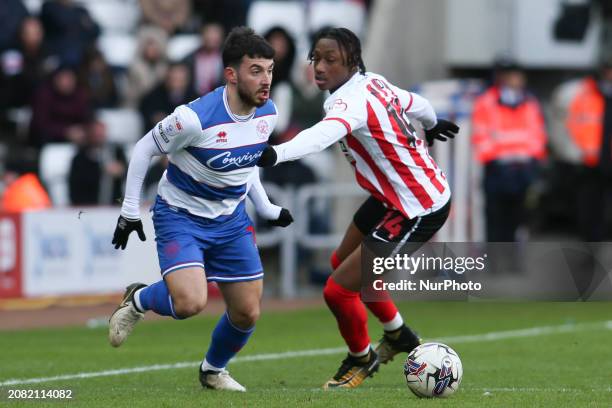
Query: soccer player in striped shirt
point(202, 229)
point(410, 197)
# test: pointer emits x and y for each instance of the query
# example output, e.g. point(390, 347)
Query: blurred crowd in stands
point(57, 85)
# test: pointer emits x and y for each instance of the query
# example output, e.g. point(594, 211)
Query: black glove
point(268, 157)
point(444, 129)
point(283, 220)
point(124, 229)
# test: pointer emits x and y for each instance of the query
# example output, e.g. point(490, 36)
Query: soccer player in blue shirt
point(201, 227)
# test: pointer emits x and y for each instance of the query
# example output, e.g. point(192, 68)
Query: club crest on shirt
point(339, 105)
point(263, 129)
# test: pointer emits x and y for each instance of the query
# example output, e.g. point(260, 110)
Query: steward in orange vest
point(509, 139)
point(585, 122)
point(25, 193)
point(588, 123)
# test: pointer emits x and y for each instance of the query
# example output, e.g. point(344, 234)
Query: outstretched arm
point(308, 141)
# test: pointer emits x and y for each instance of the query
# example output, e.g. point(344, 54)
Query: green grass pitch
point(567, 364)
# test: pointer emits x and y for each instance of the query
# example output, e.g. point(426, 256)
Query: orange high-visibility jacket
point(25, 193)
point(585, 119)
point(501, 132)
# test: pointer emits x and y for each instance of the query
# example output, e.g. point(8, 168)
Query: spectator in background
point(22, 71)
point(281, 90)
point(60, 110)
point(169, 15)
point(69, 30)
point(586, 114)
point(97, 170)
point(25, 67)
point(162, 100)
point(509, 139)
point(12, 13)
point(284, 47)
point(97, 77)
point(149, 66)
point(206, 63)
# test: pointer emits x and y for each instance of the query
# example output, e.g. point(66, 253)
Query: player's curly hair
point(347, 41)
point(243, 41)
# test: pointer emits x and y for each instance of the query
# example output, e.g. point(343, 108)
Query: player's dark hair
point(243, 41)
point(347, 41)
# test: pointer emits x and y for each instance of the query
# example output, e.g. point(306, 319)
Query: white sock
point(361, 353)
point(206, 366)
point(137, 303)
point(394, 323)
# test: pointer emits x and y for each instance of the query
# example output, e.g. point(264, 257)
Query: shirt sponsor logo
point(225, 160)
point(160, 131)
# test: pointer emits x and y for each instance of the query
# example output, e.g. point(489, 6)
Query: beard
point(247, 98)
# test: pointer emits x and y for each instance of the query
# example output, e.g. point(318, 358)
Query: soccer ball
point(433, 370)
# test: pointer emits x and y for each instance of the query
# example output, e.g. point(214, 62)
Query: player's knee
point(245, 319)
point(328, 290)
point(189, 305)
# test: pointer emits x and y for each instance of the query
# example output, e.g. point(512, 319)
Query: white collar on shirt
point(357, 76)
point(232, 115)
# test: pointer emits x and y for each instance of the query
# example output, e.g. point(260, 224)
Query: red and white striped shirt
point(372, 117)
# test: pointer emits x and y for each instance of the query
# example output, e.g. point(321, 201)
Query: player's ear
point(231, 75)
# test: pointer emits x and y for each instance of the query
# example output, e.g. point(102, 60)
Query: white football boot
point(219, 380)
point(125, 317)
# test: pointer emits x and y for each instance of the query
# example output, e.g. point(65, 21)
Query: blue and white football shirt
point(212, 153)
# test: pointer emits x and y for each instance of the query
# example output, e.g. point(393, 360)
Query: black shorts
point(369, 215)
point(381, 224)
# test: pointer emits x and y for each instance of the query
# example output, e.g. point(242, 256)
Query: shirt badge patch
point(263, 129)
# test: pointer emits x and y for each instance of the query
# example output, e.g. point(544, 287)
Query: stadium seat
point(114, 16)
point(122, 125)
point(33, 6)
point(118, 49)
point(54, 167)
point(349, 14)
point(264, 15)
point(182, 45)
point(21, 117)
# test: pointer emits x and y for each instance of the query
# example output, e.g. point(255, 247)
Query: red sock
point(385, 310)
point(350, 313)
